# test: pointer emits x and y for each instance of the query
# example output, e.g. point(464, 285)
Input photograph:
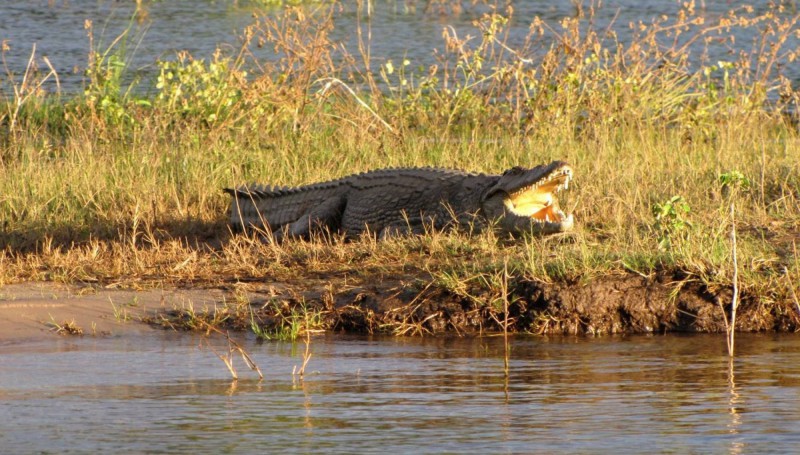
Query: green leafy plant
point(196, 88)
point(105, 91)
point(733, 182)
point(670, 221)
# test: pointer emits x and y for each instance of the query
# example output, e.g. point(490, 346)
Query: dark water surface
point(400, 29)
point(611, 395)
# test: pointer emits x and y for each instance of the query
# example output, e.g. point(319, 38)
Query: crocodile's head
point(524, 200)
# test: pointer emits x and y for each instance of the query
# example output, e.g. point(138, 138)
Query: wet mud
point(625, 303)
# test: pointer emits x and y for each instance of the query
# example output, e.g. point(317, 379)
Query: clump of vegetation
point(65, 328)
point(195, 89)
point(117, 185)
point(285, 323)
point(671, 221)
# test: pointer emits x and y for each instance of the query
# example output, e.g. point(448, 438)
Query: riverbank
point(672, 154)
point(433, 285)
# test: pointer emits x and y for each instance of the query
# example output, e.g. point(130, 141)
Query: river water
point(400, 29)
point(164, 393)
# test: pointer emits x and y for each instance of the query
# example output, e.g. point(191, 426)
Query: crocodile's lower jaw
point(565, 224)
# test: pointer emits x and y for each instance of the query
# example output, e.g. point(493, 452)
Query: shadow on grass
point(32, 238)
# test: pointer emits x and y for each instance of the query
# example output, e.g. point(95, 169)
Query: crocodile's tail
point(245, 212)
point(265, 207)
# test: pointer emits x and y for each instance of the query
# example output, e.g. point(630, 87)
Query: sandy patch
point(30, 311)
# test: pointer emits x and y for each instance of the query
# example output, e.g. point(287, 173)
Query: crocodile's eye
point(516, 170)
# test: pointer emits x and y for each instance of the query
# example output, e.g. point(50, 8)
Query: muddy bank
point(625, 303)
point(401, 305)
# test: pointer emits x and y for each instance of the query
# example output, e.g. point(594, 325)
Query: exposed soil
point(407, 305)
point(627, 303)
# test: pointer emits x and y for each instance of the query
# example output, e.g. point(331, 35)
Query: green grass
point(110, 184)
point(287, 324)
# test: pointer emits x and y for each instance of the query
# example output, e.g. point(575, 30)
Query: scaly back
point(276, 206)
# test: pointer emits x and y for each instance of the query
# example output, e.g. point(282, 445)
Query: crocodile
point(400, 201)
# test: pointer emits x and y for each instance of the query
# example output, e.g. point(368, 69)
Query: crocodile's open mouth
point(538, 201)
